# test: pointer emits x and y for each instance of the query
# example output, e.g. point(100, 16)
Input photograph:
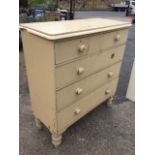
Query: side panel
point(131, 86)
point(39, 59)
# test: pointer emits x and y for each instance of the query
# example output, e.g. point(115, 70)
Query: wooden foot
point(56, 140)
point(109, 102)
point(39, 124)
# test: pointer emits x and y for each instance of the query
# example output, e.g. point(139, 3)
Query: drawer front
point(74, 112)
point(113, 38)
point(77, 70)
point(71, 49)
point(78, 90)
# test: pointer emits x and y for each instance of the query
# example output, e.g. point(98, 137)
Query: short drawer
point(113, 38)
point(74, 48)
point(71, 49)
point(74, 112)
point(77, 70)
point(69, 95)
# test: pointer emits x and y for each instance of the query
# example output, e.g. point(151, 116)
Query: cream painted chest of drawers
point(72, 67)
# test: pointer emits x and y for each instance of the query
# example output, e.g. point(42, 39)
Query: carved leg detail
point(39, 124)
point(109, 102)
point(56, 139)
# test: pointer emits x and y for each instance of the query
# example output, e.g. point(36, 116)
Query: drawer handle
point(80, 70)
point(112, 55)
point(107, 92)
point(77, 111)
point(110, 74)
point(79, 91)
point(117, 37)
point(82, 48)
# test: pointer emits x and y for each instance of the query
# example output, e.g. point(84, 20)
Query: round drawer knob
point(107, 91)
point(80, 70)
point(77, 111)
point(117, 37)
point(112, 55)
point(82, 48)
point(110, 74)
point(79, 91)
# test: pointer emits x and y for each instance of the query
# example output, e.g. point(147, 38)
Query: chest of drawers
point(72, 67)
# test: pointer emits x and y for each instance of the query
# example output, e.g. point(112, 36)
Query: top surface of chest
point(65, 29)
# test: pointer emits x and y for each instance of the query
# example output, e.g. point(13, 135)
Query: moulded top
point(54, 30)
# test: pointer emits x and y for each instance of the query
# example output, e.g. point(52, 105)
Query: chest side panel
point(39, 59)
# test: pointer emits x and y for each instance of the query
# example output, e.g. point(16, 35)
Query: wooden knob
point(82, 48)
point(107, 92)
point(80, 70)
point(79, 91)
point(117, 37)
point(77, 111)
point(112, 55)
point(110, 74)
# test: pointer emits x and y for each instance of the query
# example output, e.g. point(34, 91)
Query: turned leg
point(109, 102)
point(56, 139)
point(39, 124)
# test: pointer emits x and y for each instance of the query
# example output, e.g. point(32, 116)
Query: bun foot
point(109, 102)
point(39, 124)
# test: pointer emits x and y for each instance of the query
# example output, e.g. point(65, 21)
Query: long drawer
point(71, 49)
point(74, 112)
point(77, 70)
point(78, 90)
